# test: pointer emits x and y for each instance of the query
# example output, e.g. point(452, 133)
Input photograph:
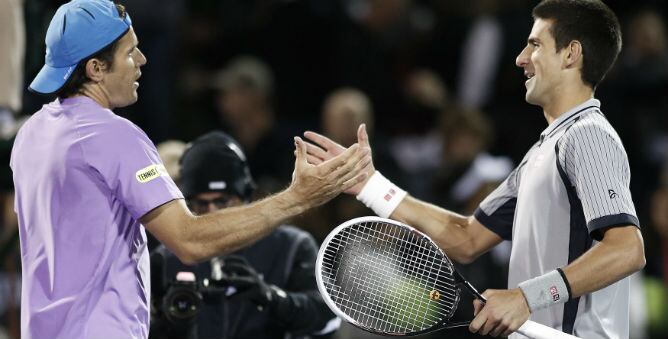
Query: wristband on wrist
point(549, 289)
point(381, 195)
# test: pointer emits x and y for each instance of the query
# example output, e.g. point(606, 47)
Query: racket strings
point(411, 306)
point(400, 256)
point(387, 278)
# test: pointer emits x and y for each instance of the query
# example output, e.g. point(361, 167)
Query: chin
point(531, 99)
point(127, 102)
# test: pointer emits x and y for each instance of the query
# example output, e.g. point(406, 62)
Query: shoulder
point(111, 125)
point(104, 129)
point(591, 129)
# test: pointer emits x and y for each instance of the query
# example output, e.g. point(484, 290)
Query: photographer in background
point(266, 290)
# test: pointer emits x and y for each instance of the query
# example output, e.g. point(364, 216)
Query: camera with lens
point(178, 297)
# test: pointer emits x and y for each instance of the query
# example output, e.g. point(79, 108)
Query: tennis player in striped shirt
point(567, 207)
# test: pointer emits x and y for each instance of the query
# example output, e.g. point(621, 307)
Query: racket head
point(386, 277)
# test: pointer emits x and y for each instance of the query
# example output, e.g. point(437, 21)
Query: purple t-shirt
point(83, 178)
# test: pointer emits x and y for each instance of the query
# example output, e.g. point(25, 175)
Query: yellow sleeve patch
point(149, 173)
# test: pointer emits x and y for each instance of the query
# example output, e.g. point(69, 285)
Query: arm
point(462, 238)
point(196, 238)
point(619, 254)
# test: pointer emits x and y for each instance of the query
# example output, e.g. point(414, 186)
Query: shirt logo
point(149, 173)
point(612, 194)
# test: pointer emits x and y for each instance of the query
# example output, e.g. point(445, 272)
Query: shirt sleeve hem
point(615, 220)
point(493, 225)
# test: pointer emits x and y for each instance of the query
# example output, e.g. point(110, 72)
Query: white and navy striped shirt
point(571, 184)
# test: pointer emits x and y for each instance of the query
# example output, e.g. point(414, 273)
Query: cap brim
point(50, 79)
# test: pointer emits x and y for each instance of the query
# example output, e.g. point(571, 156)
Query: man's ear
point(95, 69)
point(572, 56)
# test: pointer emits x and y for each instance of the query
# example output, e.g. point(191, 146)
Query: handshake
point(324, 169)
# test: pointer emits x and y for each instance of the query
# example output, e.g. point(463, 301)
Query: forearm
point(606, 262)
point(460, 237)
point(229, 229)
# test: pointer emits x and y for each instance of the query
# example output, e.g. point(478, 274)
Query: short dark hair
point(78, 78)
point(593, 24)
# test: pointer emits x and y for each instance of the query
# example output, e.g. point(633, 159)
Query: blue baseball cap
point(79, 29)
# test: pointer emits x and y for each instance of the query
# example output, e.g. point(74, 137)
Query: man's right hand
point(316, 182)
point(324, 149)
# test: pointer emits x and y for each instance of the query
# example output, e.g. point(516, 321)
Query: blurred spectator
point(244, 105)
point(425, 97)
point(170, 152)
point(645, 66)
point(656, 285)
point(467, 172)
point(481, 54)
point(344, 110)
point(12, 53)
point(12, 40)
point(659, 220)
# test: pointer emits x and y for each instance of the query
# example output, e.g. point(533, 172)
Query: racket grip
point(535, 330)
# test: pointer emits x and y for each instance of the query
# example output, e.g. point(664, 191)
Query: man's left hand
point(503, 313)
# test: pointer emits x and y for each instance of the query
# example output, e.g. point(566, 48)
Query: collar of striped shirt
point(571, 114)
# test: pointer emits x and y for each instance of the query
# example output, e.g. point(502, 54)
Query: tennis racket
point(388, 278)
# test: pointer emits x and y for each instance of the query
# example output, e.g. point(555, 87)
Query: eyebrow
point(533, 40)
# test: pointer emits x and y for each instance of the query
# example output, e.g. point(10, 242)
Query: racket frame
point(529, 328)
point(459, 280)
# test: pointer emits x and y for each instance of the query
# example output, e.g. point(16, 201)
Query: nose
point(141, 58)
point(523, 58)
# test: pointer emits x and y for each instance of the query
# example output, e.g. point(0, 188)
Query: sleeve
point(497, 211)
point(303, 311)
point(129, 164)
point(597, 167)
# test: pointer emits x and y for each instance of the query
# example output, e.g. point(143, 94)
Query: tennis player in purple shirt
point(88, 182)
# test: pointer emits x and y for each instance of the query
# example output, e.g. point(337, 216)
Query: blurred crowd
point(435, 82)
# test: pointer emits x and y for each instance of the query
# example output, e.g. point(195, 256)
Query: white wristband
point(381, 195)
point(546, 290)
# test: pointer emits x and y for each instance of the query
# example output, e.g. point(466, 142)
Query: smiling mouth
point(529, 77)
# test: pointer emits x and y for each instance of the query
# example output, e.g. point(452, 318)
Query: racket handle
point(535, 330)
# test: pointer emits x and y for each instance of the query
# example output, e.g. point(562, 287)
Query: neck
point(566, 98)
point(97, 93)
